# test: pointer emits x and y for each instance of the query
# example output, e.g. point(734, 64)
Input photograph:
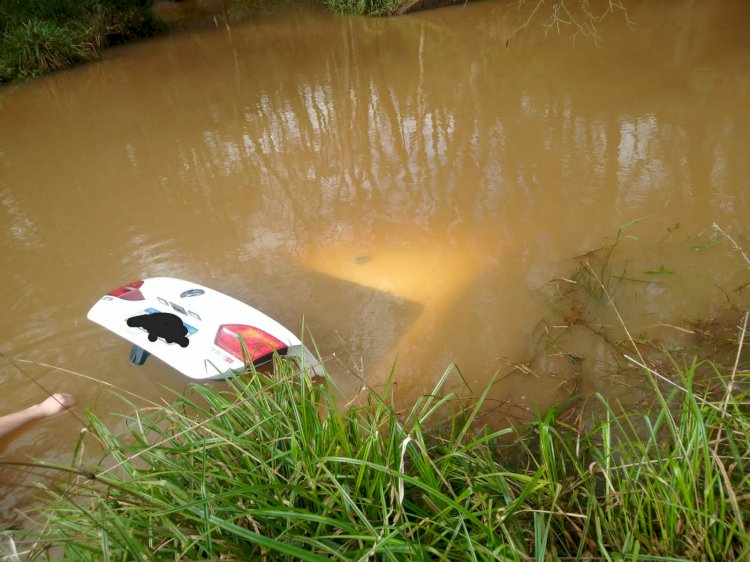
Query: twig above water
point(732, 241)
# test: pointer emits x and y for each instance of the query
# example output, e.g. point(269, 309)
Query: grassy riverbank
point(37, 36)
point(274, 470)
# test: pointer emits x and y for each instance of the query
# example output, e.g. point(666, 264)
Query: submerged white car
point(202, 333)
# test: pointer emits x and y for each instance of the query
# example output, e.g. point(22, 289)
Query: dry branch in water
point(576, 15)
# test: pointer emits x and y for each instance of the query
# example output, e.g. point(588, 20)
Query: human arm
point(52, 405)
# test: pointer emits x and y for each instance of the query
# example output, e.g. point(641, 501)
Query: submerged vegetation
point(272, 468)
point(38, 36)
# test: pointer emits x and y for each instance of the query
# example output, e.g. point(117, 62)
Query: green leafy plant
point(272, 468)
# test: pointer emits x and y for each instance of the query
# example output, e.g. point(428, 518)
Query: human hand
point(56, 404)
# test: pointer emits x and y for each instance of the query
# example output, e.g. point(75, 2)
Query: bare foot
point(56, 404)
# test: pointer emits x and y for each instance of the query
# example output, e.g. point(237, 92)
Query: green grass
point(39, 46)
point(38, 36)
point(365, 7)
point(273, 470)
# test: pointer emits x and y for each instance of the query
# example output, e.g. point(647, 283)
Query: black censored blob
point(161, 325)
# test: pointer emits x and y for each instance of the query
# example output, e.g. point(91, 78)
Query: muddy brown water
point(405, 187)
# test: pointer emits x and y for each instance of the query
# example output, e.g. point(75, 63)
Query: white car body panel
point(202, 309)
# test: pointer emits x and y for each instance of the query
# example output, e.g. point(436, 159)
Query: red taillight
point(129, 292)
point(259, 345)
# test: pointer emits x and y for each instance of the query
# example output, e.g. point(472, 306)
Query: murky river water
point(406, 186)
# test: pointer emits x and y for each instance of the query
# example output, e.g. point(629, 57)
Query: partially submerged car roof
point(216, 334)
